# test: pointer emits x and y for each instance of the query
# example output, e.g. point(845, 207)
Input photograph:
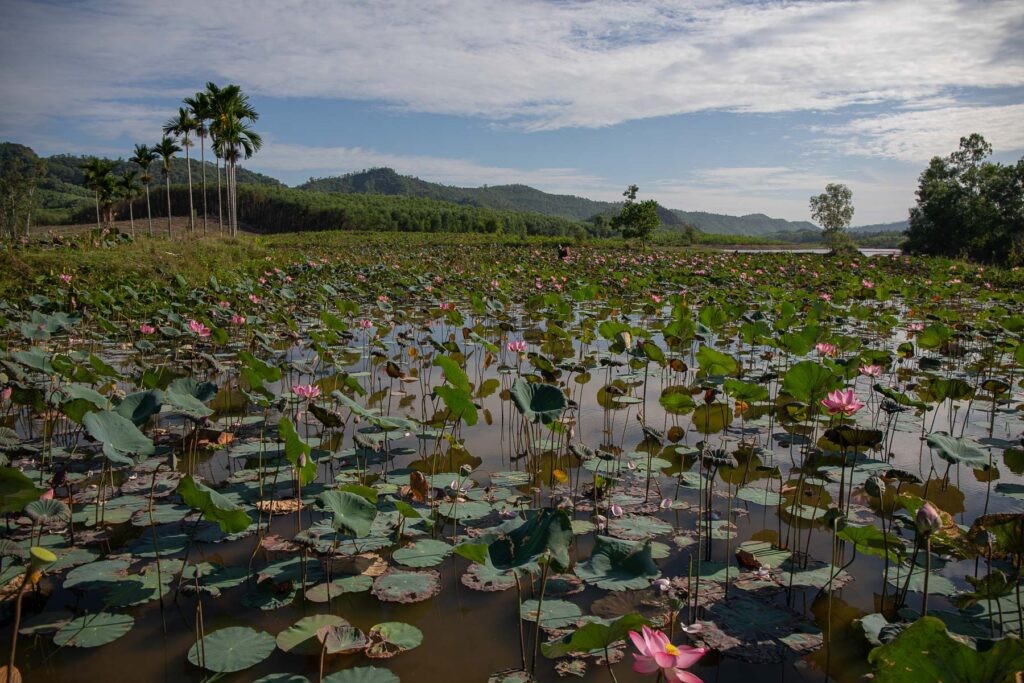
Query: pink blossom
point(198, 328)
point(65, 278)
point(844, 402)
point(915, 327)
point(237, 319)
point(517, 346)
point(656, 653)
point(146, 328)
point(826, 349)
point(382, 298)
point(307, 391)
point(5, 394)
point(871, 370)
point(825, 296)
point(365, 324)
point(616, 510)
point(655, 298)
point(254, 299)
point(867, 284)
point(223, 304)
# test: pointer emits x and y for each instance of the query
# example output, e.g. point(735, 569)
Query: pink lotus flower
point(517, 346)
point(844, 402)
point(657, 652)
point(928, 520)
point(237, 319)
point(5, 394)
point(198, 328)
point(146, 328)
point(365, 324)
point(46, 495)
point(616, 510)
point(253, 298)
point(915, 327)
point(307, 391)
point(871, 370)
point(223, 304)
point(825, 296)
point(867, 284)
point(655, 298)
point(826, 349)
point(382, 298)
point(65, 278)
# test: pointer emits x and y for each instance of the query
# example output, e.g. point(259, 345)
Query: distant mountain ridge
point(898, 226)
point(525, 198)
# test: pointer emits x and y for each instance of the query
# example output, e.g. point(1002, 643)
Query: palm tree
point(96, 172)
point(233, 137)
point(129, 186)
point(199, 108)
point(166, 149)
point(108, 190)
point(144, 158)
point(182, 126)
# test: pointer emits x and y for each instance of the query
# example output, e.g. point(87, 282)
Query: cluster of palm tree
point(223, 115)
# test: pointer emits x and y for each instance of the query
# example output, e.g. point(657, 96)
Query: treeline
point(270, 209)
point(970, 208)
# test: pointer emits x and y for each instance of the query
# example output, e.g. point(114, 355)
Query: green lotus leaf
point(232, 649)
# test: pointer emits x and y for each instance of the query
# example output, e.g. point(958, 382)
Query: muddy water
point(469, 634)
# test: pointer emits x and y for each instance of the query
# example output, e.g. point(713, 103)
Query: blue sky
point(730, 107)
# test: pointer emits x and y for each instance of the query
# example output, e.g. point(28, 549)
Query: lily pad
point(94, 630)
point(391, 638)
point(231, 649)
point(401, 586)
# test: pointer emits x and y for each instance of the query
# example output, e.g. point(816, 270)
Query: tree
point(98, 177)
point(129, 187)
point(833, 211)
point(201, 111)
point(144, 158)
point(20, 171)
point(166, 149)
point(636, 220)
point(968, 207)
point(183, 125)
point(234, 138)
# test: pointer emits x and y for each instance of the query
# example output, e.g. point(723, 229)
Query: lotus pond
point(418, 459)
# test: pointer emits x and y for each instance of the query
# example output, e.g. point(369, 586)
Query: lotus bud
point(875, 487)
point(928, 519)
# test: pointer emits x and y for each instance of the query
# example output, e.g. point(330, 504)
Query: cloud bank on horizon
point(722, 106)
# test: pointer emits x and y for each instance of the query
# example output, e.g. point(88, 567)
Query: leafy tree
point(20, 172)
point(183, 125)
point(128, 184)
point(166, 149)
point(98, 178)
point(833, 211)
point(970, 207)
point(637, 220)
point(144, 158)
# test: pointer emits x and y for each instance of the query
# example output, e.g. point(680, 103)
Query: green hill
point(756, 224)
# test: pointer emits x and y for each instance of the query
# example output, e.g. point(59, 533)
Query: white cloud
point(535, 64)
point(917, 136)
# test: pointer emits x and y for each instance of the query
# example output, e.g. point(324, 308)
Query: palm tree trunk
point(131, 215)
point(96, 193)
point(202, 166)
point(28, 215)
point(220, 211)
point(167, 177)
point(191, 209)
point(149, 211)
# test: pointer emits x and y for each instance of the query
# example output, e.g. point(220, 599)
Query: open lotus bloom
point(842, 402)
point(656, 652)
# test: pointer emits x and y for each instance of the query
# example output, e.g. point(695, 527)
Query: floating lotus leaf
point(282, 678)
point(400, 586)
point(422, 553)
point(638, 527)
point(617, 564)
point(554, 614)
point(96, 574)
point(925, 651)
point(231, 649)
point(362, 674)
point(391, 638)
point(301, 637)
point(488, 578)
point(755, 630)
point(323, 592)
point(16, 490)
point(94, 630)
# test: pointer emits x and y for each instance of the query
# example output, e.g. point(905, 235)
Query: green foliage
point(967, 206)
point(637, 220)
point(926, 652)
point(231, 517)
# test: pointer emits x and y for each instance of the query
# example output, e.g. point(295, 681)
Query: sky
point(722, 106)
